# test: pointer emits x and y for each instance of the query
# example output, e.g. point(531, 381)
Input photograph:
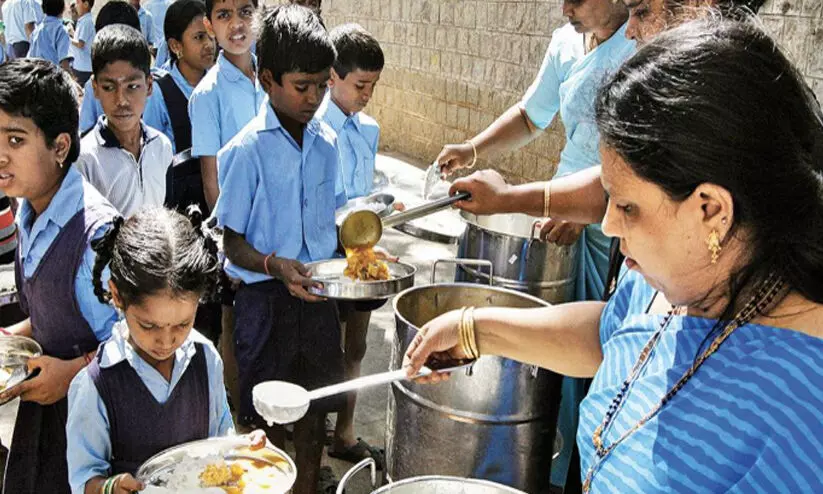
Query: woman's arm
point(562, 338)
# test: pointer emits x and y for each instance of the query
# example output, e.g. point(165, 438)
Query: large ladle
point(364, 228)
point(281, 402)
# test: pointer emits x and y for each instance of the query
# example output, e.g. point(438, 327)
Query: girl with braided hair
point(156, 382)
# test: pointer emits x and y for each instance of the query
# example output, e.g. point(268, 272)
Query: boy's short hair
point(210, 6)
point(356, 49)
point(119, 42)
point(37, 89)
point(116, 12)
point(291, 38)
point(54, 8)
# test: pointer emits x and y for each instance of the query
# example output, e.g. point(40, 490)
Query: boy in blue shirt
point(229, 96)
point(278, 178)
point(50, 40)
point(147, 26)
point(81, 39)
point(353, 78)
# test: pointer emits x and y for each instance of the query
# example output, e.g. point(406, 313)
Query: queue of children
point(270, 145)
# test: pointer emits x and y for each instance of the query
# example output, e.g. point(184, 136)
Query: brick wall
point(453, 66)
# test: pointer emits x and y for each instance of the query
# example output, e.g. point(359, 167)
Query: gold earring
point(714, 245)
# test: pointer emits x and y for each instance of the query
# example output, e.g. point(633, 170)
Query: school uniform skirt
point(280, 337)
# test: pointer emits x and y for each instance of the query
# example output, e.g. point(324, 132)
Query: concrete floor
point(405, 182)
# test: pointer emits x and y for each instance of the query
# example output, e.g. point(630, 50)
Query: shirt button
point(305, 203)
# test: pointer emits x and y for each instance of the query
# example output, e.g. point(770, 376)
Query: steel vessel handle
point(365, 463)
point(424, 210)
point(464, 262)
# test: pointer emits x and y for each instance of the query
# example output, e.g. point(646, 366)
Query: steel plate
point(159, 468)
point(15, 352)
point(336, 285)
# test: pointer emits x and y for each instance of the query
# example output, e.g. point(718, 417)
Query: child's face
point(122, 90)
point(28, 167)
point(196, 49)
point(231, 24)
point(300, 94)
point(81, 7)
point(159, 324)
point(353, 93)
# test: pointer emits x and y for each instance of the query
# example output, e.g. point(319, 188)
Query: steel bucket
point(438, 484)
point(520, 262)
point(497, 423)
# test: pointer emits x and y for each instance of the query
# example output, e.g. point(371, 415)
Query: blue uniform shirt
point(37, 235)
point(147, 26)
point(18, 13)
point(357, 137)
point(85, 33)
point(279, 196)
point(87, 429)
point(162, 58)
point(90, 109)
point(223, 102)
point(156, 114)
point(50, 41)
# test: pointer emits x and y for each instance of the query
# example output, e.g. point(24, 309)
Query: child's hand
point(296, 276)
point(399, 206)
point(50, 386)
point(126, 484)
point(257, 438)
point(383, 254)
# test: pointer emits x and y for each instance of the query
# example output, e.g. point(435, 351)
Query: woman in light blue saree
point(707, 366)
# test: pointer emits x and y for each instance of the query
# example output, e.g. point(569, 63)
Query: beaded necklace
point(763, 299)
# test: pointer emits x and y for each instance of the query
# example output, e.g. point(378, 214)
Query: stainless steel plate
point(15, 352)
point(337, 285)
point(381, 203)
point(158, 469)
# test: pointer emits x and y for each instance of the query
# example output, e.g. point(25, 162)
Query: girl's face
point(29, 168)
point(196, 49)
point(159, 324)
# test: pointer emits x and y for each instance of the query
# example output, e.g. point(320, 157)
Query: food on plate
point(362, 264)
point(243, 476)
point(5, 375)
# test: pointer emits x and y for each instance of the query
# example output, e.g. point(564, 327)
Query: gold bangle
point(461, 329)
point(472, 333)
point(474, 150)
point(547, 199)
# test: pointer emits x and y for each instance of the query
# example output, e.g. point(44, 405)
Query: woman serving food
point(706, 361)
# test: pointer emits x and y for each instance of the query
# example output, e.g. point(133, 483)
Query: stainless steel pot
point(497, 423)
point(520, 262)
point(438, 484)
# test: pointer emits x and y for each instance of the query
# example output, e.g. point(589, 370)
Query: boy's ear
point(209, 27)
point(62, 144)
point(94, 87)
point(334, 78)
point(149, 86)
point(266, 80)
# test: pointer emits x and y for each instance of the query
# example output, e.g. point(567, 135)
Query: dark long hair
point(716, 101)
point(157, 249)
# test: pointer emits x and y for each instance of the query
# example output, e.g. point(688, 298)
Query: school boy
point(50, 40)
point(230, 95)
point(110, 13)
point(147, 26)
point(122, 157)
point(83, 35)
point(20, 18)
point(278, 179)
point(353, 78)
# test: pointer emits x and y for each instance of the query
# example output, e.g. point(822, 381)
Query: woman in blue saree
point(707, 365)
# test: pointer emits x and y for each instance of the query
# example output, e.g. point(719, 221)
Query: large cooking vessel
point(497, 423)
point(521, 263)
point(432, 484)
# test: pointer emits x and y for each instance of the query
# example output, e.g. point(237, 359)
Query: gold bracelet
point(547, 199)
point(461, 329)
point(474, 150)
point(472, 333)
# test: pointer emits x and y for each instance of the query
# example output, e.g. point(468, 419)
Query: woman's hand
point(257, 438)
point(560, 232)
point(439, 337)
point(126, 484)
point(455, 156)
point(50, 385)
point(488, 190)
point(384, 255)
